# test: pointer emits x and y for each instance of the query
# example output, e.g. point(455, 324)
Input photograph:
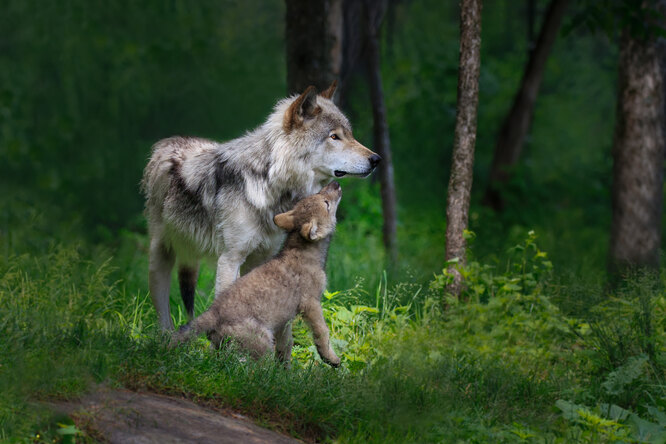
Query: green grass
point(490, 369)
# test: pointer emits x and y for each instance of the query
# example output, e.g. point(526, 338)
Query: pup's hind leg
point(160, 265)
point(283, 343)
point(256, 339)
point(187, 278)
point(314, 317)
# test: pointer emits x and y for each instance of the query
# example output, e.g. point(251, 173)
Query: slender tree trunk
point(374, 13)
point(517, 123)
point(531, 14)
point(460, 182)
point(313, 43)
point(638, 157)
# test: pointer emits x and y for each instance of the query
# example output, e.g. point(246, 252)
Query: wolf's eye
point(335, 137)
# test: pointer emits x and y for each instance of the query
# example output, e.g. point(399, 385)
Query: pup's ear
point(304, 107)
point(285, 220)
point(328, 94)
point(310, 230)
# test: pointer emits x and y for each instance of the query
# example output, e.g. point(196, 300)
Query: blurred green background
point(87, 87)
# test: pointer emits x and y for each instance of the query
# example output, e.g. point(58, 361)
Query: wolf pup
point(258, 308)
point(205, 198)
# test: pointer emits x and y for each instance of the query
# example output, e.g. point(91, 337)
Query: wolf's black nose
point(374, 160)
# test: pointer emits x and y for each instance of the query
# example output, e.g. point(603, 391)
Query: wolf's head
point(325, 136)
point(314, 216)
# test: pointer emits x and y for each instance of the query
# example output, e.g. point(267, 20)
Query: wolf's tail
point(202, 324)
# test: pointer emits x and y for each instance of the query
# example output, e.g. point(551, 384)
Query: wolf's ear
point(285, 220)
point(310, 230)
point(304, 107)
point(328, 94)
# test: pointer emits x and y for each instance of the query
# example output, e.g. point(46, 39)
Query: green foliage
point(87, 89)
point(526, 268)
point(488, 368)
point(610, 423)
point(641, 19)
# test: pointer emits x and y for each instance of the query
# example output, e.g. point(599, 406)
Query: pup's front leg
point(314, 317)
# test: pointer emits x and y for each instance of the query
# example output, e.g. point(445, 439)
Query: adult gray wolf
point(258, 308)
point(205, 198)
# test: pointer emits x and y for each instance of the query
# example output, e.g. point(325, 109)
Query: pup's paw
point(332, 360)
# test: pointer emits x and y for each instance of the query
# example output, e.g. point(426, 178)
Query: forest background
point(85, 90)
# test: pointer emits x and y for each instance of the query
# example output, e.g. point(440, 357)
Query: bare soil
point(121, 416)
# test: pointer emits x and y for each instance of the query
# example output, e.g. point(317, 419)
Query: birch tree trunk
point(638, 156)
point(460, 182)
point(514, 130)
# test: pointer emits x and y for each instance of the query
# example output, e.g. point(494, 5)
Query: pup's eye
point(328, 205)
point(335, 137)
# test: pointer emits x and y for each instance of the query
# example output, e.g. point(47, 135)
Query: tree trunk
point(460, 182)
point(638, 157)
point(531, 14)
point(517, 123)
point(313, 43)
point(353, 47)
point(374, 13)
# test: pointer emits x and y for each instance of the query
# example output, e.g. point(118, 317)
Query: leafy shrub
point(526, 268)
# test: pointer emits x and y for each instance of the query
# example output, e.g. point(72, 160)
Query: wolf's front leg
point(228, 269)
point(313, 315)
point(161, 262)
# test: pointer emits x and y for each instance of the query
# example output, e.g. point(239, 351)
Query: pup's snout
point(374, 160)
point(335, 185)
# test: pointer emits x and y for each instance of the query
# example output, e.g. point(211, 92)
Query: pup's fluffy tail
point(202, 324)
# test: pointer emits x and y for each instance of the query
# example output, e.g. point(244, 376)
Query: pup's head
point(314, 216)
point(326, 136)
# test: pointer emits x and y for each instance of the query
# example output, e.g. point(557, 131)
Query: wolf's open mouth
point(339, 173)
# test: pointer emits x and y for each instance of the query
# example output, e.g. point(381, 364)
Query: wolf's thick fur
point(205, 198)
point(258, 308)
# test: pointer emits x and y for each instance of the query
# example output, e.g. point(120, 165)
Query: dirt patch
point(121, 416)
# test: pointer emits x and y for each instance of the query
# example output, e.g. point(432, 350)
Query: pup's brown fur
point(258, 308)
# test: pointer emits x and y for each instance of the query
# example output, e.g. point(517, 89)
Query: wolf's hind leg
point(283, 343)
point(187, 278)
point(161, 263)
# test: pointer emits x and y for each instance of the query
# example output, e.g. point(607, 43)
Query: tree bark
point(638, 156)
point(313, 43)
point(460, 182)
point(374, 13)
point(531, 13)
point(353, 47)
point(517, 123)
